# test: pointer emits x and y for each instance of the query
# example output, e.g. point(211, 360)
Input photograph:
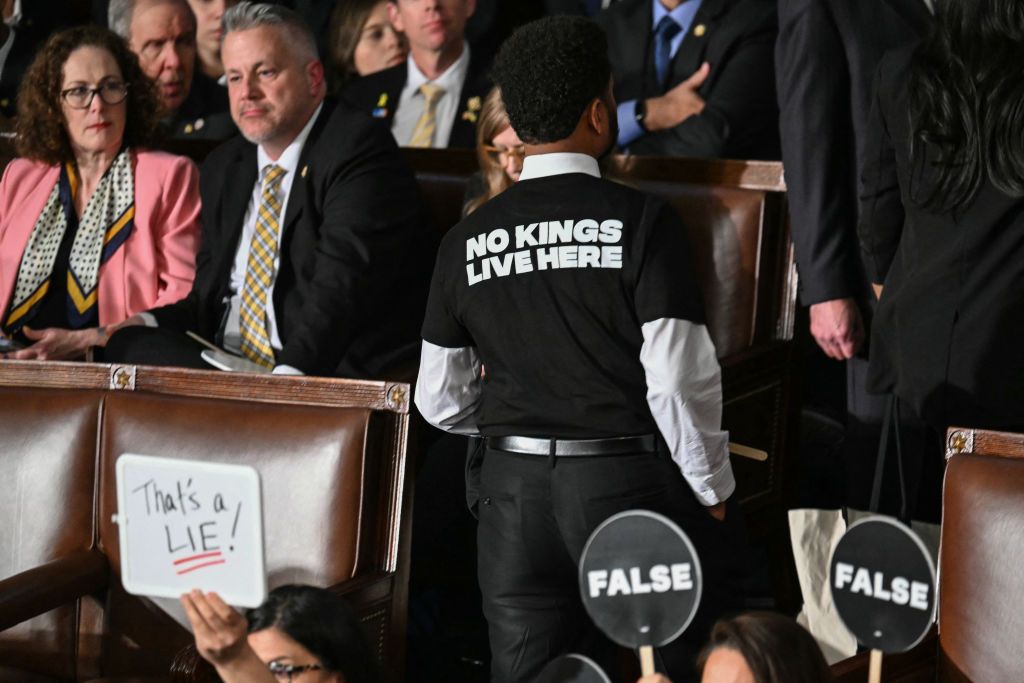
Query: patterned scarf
point(106, 224)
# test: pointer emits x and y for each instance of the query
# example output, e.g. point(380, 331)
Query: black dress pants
point(535, 517)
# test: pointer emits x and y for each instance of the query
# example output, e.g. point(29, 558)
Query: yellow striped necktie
point(259, 273)
point(423, 133)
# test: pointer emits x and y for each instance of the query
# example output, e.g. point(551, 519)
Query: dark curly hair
point(967, 103)
point(42, 134)
point(549, 71)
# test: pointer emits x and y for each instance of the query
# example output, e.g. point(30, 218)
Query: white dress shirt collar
point(451, 79)
point(289, 159)
point(558, 163)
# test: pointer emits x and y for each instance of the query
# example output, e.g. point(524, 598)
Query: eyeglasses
point(517, 152)
point(285, 672)
point(80, 97)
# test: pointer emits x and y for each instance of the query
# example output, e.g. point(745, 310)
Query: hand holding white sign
point(221, 639)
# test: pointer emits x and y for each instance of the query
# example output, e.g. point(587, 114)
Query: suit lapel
point(914, 12)
point(241, 174)
point(694, 47)
point(385, 103)
point(474, 88)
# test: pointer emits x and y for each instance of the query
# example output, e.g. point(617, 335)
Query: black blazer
point(948, 328)
point(356, 252)
point(825, 61)
point(367, 92)
point(736, 37)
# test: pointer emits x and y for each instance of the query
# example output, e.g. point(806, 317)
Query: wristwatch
point(640, 113)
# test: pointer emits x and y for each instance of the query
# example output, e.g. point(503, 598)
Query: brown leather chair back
point(981, 604)
point(312, 496)
point(47, 461)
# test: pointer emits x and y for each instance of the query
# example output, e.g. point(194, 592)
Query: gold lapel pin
point(699, 30)
point(305, 169)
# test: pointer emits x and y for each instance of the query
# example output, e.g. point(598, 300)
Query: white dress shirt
point(684, 383)
point(411, 102)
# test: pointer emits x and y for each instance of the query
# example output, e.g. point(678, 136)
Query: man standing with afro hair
point(602, 391)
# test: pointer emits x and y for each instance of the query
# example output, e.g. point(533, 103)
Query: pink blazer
point(157, 263)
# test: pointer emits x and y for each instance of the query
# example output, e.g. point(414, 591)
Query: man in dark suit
point(825, 58)
point(434, 99)
point(694, 78)
point(314, 258)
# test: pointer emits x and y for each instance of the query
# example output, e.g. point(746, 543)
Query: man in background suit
point(694, 78)
point(434, 98)
point(162, 33)
point(825, 58)
point(315, 258)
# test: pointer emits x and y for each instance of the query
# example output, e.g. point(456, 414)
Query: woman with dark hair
point(759, 647)
point(94, 227)
point(499, 151)
point(301, 633)
point(362, 40)
point(771, 647)
point(942, 228)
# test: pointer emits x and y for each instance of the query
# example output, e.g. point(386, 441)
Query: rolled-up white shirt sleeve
point(448, 388)
point(684, 392)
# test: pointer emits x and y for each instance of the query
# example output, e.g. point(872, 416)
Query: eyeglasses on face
point(516, 152)
point(286, 672)
point(80, 96)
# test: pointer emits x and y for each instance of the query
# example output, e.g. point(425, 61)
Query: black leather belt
point(529, 445)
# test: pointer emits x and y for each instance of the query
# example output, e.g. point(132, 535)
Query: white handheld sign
point(187, 524)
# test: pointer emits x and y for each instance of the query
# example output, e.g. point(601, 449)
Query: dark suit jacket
point(40, 18)
point(365, 93)
point(205, 114)
point(740, 119)
point(948, 328)
point(356, 251)
point(825, 61)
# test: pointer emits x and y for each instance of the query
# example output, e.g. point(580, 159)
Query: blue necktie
point(666, 30)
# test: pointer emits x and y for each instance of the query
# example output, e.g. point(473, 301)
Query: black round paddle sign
point(883, 584)
point(572, 669)
point(640, 579)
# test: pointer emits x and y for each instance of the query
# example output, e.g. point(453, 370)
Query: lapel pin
point(699, 30)
point(305, 169)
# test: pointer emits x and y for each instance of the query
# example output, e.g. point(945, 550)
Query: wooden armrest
point(40, 589)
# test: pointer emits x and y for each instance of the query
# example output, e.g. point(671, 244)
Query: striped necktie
point(423, 133)
point(259, 273)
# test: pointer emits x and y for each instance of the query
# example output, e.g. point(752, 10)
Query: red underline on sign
point(200, 566)
point(183, 560)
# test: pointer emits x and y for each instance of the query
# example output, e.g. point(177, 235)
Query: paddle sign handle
point(875, 667)
point(647, 660)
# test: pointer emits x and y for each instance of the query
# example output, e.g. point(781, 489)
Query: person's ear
point(315, 74)
point(470, 8)
point(395, 16)
point(597, 116)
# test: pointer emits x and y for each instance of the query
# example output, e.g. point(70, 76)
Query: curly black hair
point(549, 71)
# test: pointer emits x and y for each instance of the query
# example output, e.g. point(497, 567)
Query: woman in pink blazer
point(93, 228)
